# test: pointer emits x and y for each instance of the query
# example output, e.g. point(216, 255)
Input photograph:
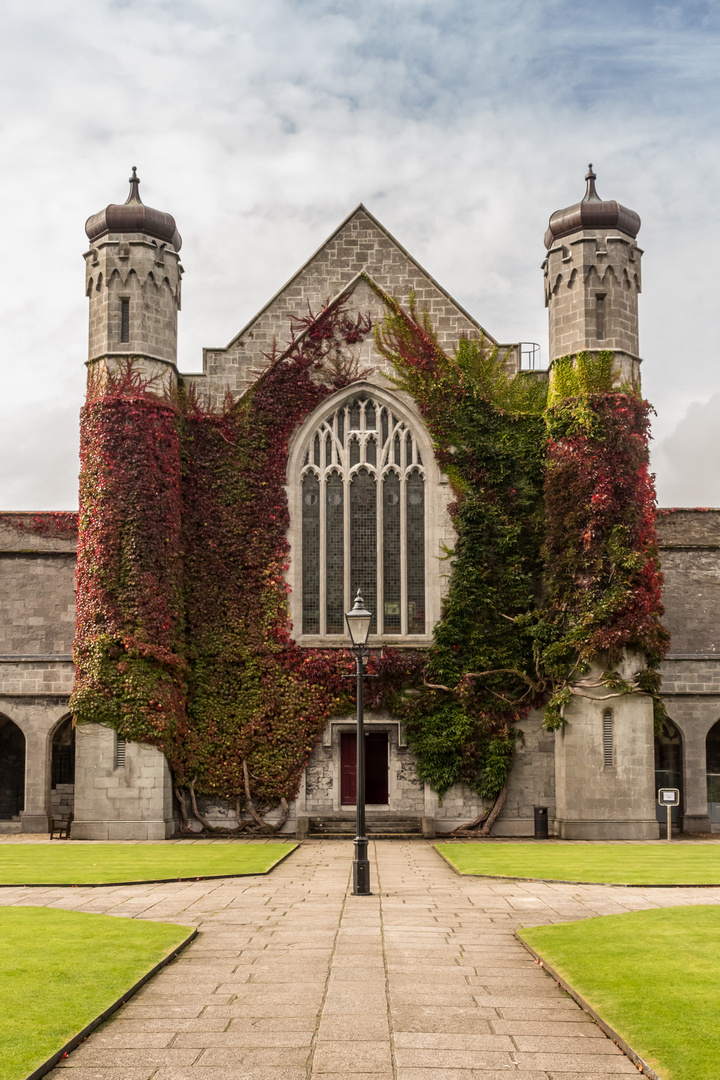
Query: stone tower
point(604, 754)
point(592, 280)
point(123, 789)
point(133, 276)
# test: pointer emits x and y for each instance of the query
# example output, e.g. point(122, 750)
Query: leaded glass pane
point(355, 416)
point(328, 450)
point(354, 452)
point(363, 540)
point(408, 449)
point(335, 555)
point(391, 552)
point(311, 554)
point(369, 416)
point(384, 426)
point(416, 553)
point(341, 426)
point(397, 449)
point(316, 450)
point(371, 452)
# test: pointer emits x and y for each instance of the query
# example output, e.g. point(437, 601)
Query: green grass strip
point(609, 864)
point(652, 976)
point(60, 969)
point(65, 863)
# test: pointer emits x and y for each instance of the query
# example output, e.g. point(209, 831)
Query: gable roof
point(359, 247)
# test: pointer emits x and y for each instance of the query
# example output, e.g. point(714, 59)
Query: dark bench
point(60, 828)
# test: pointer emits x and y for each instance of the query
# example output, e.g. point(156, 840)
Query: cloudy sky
point(462, 124)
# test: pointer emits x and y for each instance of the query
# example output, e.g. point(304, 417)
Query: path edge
point(611, 1033)
point(60, 1054)
point(142, 881)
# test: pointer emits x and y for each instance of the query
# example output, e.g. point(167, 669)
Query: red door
point(376, 768)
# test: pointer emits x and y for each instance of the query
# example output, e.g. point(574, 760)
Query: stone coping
point(611, 1033)
point(103, 1016)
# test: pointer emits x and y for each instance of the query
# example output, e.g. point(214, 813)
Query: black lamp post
point(358, 621)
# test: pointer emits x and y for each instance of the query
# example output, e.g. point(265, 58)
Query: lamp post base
point(361, 868)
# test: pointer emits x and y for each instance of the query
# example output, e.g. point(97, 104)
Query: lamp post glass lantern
point(358, 621)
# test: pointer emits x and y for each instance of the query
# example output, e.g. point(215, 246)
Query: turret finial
point(590, 178)
point(134, 181)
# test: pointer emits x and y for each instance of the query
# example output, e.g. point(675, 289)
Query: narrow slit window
point(119, 753)
point(334, 555)
point(311, 554)
point(600, 317)
point(608, 739)
point(124, 319)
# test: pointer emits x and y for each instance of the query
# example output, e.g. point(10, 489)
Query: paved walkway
point(293, 978)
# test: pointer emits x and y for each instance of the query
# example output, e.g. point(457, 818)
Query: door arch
point(712, 751)
point(12, 770)
point(669, 769)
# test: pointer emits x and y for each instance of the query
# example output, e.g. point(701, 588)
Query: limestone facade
point(592, 282)
point(594, 785)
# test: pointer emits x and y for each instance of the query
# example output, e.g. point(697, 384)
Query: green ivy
point(488, 431)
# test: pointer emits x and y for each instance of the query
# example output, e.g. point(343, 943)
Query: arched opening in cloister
point(62, 784)
point(12, 770)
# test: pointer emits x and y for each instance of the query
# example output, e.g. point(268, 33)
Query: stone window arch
point(364, 510)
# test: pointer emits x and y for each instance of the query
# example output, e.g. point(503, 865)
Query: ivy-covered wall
point(183, 636)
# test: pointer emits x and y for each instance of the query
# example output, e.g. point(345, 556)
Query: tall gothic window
point(363, 521)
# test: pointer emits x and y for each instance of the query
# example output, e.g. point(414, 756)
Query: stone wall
point(690, 555)
point(37, 624)
point(147, 274)
point(359, 244)
point(578, 269)
point(132, 800)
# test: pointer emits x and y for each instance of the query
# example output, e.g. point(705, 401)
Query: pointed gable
point(359, 249)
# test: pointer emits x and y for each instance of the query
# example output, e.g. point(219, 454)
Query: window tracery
point(363, 520)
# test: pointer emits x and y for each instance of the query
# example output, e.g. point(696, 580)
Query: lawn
point(65, 863)
point(610, 864)
point(651, 975)
point(60, 969)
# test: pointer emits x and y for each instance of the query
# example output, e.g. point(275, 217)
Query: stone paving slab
point(293, 978)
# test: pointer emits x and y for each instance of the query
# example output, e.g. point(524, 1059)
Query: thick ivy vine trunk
point(130, 636)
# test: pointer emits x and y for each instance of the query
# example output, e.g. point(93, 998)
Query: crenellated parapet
point(592, 278)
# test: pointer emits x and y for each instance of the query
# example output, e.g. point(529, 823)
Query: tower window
point(600, 317)
point(608, 739)
point(363, 521)
point(125, 319)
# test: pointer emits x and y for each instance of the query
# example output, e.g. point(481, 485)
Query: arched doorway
point(669, 769)
point(712, 750)
point(12, 770)
point(62, 793)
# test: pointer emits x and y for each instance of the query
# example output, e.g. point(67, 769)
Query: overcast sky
point(461, 124)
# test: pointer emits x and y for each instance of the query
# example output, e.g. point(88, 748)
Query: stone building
point(598, 777)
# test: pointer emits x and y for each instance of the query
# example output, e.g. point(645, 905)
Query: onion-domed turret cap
point(592, 213)
point(134, 217)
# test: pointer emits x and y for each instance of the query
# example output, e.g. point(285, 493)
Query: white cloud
point(461, 125)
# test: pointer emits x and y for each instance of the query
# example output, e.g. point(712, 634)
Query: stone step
point(385, 826)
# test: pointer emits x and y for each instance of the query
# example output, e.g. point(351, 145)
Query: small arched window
point(363, 520)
